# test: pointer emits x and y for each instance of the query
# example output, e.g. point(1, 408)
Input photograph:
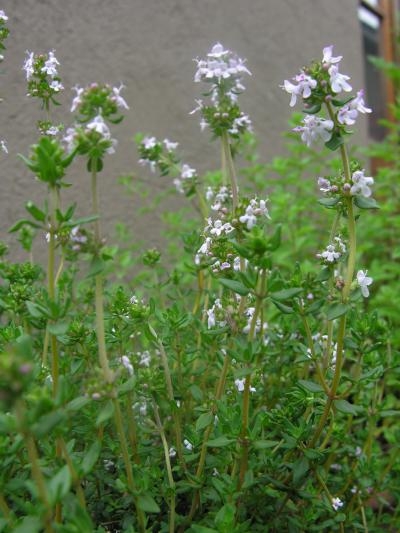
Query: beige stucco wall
point(149, 46)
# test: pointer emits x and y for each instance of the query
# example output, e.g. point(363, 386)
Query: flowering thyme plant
point(237, 390)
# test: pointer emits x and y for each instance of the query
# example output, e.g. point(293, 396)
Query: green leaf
point(346, 407)
point(220, 442)
point(365, 203)
point(235, 286)
point(310, 386)
point(334, 142)
point(58, 329)
point(225, 518)
point(390, 413)
point(35, 310)
point(21, 223)
point(48, 422)
point(275, 241)
point(204, 420)
point(91, 456)
point(286, 294)
point(264, 444)
point(37, 213)
point(313, 109)
point(286, 309)
point(29, 524)
point(336, 310)
point(82, 220)
point(105, 414)
point(147, 503)
point(300, 469)
point(195, 528)
point(96, 267)
point(59, 485)
point(328, 202)
point(77, 403)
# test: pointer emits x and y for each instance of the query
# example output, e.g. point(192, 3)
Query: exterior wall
point(149, 46)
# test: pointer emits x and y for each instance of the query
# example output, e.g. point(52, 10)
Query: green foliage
point(236, 381)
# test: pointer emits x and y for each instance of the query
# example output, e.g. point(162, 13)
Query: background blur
point(149, 45)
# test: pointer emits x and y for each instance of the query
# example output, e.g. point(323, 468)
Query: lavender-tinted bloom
point(118, 98)
point(328, 59)
point(348, 113)
point(303, 89)
point(28, 65)
point(50, 65)
point(364, 281)
point(3, 16)
point(338, 81)
point(315, 128)
point(361, 184)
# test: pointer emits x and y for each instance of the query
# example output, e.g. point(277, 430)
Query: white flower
point(187, 171)
point(69, 139)
point(178, 185)
point(324, 185)
point(152, 164)
point(53, 130)
point(240, 385)
point(211, 319)
point(359, 104)
point(216, 227)
point(50, 65)
point(77, 100)
point(188, 445)
point(241, 123)
point(172, 452)
point(337, 503)
point(348, 113)
point(118, 98)
point(170, 146)
point(361, 184)
point(315, 128)
point(28, 65)
point(328, 59)
point(364, 281)
point(3, 16)
point(3, 146)
point(145, 358)
point(303, 89)
point(253, 210)
point(333, 251)
point(56, 86)
point(338, 81)
point(149, 142)
point(98, 124)
point(127, 364)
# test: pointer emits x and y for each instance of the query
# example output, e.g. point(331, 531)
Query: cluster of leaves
point(176, 439)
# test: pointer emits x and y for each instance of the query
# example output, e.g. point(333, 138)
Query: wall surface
point(149, 46)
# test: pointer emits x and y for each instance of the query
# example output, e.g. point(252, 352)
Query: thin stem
point(103, 358)
point(230, 170)
point(37, 474)
point(51, 284)
point(243, 437)
point(171, 398)
point(171, 481)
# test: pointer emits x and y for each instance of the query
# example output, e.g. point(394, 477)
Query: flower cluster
point(333, 251)
point(93, 138)
point(319, 84)
point(254, 210)
point(98, 99)
point(223, 70)
point(41, 72)
point(336, 186)
point(95, 105)
point(162, 156)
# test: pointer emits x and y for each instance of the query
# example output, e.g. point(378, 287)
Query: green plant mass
point(251, 383)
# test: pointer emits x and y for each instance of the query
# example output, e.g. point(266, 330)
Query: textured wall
point(149, 46)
